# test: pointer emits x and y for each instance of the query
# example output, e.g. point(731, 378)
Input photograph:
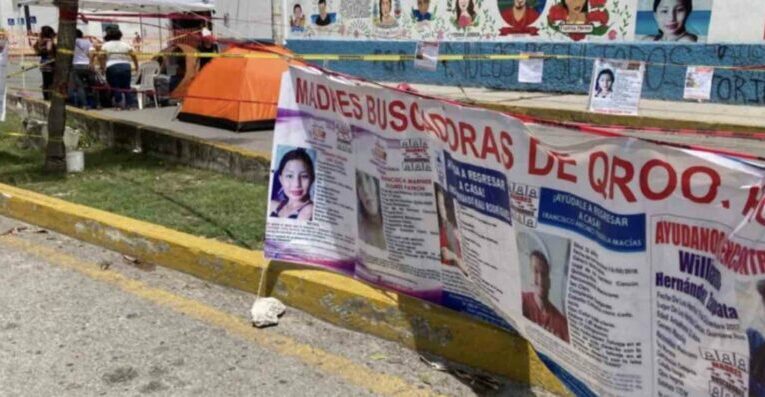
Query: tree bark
point(55, 157)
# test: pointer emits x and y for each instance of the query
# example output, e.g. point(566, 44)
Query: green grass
point(198, 202)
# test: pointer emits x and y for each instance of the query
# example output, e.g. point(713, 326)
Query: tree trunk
point(55, 158)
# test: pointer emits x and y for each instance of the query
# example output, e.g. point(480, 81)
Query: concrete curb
point(160, 142)
point(332, 297)
point(635, 122)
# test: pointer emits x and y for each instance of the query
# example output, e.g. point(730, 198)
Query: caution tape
point(408, 57)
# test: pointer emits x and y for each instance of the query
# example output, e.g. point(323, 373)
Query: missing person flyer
point(616, 86)
point(632, 268)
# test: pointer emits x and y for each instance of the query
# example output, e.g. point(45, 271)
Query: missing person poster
point(426, 55)
point(531, 69)
point(698, 82)
point(632, 268)
point(616, 86)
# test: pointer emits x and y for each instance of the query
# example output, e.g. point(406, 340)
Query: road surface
point(78, 320)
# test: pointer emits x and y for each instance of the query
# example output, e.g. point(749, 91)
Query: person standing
point(115, 61)
point(207, 45)
point(45, 47)
point(83, 74)
point(137, 41)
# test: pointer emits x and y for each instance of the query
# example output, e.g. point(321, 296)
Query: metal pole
point(26, 18)
point(29, 35)
point(161, 45)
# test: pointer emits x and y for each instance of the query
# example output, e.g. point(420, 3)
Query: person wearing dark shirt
point(207, 46)
point(323, 19)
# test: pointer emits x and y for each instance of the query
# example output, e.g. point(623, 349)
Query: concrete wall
point(664, 76)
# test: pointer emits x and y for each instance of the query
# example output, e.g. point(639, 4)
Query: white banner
point(634, 269)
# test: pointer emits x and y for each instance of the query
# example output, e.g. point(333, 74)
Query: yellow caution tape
point(399, 58)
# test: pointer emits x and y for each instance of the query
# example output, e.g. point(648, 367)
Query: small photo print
point(543, 261)
point(370, 214)
point(448, 231)
point(292, 188)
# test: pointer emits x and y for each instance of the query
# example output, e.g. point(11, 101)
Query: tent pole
point(161, 45)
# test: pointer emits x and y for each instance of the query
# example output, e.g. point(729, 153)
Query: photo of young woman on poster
point(604, 84)
point(370, 216)
point(293, 180)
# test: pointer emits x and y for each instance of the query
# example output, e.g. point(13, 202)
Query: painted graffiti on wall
point(710, 21)
point(513, 20)
point(664, 79)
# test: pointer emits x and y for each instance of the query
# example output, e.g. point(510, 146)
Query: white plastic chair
point(146, 72)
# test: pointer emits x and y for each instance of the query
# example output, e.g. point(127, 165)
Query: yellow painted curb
point(335, 298)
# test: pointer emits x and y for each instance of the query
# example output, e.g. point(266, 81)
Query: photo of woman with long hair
point(448, 232)
point(369, 215)
point(386, 18)
point(604, 84)
point(293, 180)
point(671, 17)
point(464, 13)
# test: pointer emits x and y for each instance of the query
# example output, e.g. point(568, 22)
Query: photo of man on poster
point(538, 285)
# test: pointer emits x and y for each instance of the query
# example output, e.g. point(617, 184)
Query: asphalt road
point(78, 320)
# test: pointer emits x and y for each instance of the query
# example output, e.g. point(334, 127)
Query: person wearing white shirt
point(83, 74)
point(115, 60)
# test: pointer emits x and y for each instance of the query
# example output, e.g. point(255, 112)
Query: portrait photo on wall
point(682, 21)
point(384, 14)
point(464, 14)
point(422, 13)
point(297, 19)
point(370, 210)
point(324, 17)
point(292, 190)
point(543, 262)
point(448, 231)
point(520, 15)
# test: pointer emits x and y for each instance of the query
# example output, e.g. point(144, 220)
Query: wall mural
point(460, 20)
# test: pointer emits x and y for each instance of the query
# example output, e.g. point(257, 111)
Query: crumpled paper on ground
point(266, 311)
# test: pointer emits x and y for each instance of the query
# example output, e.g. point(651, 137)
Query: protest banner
point(633, 268)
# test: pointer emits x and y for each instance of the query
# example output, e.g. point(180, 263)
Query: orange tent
point(239, 94)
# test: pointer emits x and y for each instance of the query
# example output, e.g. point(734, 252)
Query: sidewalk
point(567, 107)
